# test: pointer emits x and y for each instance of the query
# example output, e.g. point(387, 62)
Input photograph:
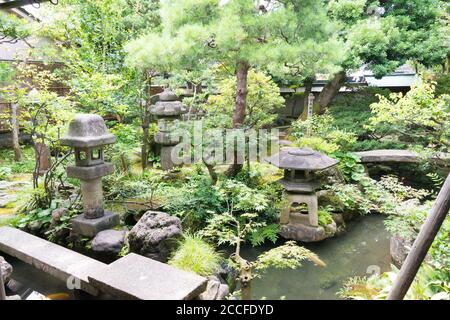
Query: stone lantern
point(300, 187)
point(88, 136)
point(167, 109)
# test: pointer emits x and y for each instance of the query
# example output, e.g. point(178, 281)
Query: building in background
point(400, 80)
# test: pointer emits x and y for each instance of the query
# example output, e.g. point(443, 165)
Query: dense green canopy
point(293, 37)
point(386, 37)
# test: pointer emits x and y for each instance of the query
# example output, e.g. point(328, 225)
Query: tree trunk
point(15, 133)
point(246, 291)
point(212, 172)
point(330, 91)
point(308, 88)
point(43, 157)
point(239, 108)
point(241, 94)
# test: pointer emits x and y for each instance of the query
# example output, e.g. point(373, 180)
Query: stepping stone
point(138, 277)
point(11, 184)
point(5, 199)
point(61, 263)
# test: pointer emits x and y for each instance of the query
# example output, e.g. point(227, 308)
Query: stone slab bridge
point(393, 155)
point(130, 277)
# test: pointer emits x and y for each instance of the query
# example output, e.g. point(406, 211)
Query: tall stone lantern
point(167, 109)
point(88, 136)
point(300, 186)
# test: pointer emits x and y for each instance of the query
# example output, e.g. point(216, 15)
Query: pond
point(364, 247)
point(361, 250)
point(29, 279)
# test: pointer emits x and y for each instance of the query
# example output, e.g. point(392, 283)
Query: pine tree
point(283, 37)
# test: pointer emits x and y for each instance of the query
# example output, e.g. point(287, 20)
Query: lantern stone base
point(90, 227)
point(307, 233)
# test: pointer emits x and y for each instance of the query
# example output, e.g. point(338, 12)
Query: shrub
point(194, 201)
point(419, 116)
point(122, 186)
point(325, 217)
point(349, 166)
point(5, 173)
point(196, 255)
point(351, 112)
point(320, 133)
point(25, 166)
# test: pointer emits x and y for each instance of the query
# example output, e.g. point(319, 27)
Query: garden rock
point(215, 290)
point(155, 234)
point(338, 218)
point(7, 269)
point(57, 215)
point(109, 241)
point(399, 248)
point(341, 228)
point(227, 275)
point(35, 225)
point(307, 233)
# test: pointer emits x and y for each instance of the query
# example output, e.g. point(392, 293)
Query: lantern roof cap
point(301, 159)
point(168, 105)
point(168, 95)
point(86, 131)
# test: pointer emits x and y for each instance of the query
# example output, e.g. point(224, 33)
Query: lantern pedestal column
point(92, 198)
point(95, 218)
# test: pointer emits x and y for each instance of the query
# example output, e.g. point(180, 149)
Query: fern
point(436, 179)
point(260, 235)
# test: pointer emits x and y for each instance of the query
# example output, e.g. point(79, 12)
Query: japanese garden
point(224, 149)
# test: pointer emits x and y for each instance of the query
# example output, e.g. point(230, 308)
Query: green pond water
point(364, 248)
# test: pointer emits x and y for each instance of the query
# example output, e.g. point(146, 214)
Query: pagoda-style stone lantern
point(300, 185)
point(88, 136)
point(167, 109)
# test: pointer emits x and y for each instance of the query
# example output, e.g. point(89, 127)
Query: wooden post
point(423, 242)
point(310, 111)
point(2, 287)
point(15, 133)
